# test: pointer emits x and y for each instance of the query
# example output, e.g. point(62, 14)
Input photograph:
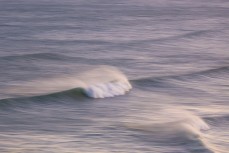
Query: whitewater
point(102, 76)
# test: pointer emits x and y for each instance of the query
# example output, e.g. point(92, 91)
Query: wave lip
point(109, 89)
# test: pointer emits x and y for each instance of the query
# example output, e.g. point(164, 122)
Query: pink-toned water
point(104, 76)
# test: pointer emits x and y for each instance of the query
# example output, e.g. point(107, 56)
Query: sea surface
point(114, 76)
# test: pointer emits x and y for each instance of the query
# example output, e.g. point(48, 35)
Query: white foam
point(109, 89)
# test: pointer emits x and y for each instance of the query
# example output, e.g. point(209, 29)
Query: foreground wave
point(171, 124)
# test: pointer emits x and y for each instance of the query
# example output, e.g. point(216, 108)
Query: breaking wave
point(168, 125)
point(178, 121)
point(101, 82)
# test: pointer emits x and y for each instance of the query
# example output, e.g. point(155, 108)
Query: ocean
point(122, 76)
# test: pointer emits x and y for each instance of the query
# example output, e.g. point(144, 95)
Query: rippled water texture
point(126, 76)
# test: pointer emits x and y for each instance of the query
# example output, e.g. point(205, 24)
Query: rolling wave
point(101, 82)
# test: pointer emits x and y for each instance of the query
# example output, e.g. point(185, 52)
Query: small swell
point(223, 69)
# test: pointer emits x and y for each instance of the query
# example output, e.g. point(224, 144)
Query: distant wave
point(173, 37)
point(102, 82)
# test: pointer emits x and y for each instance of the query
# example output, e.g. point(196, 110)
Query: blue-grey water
point(175, 54)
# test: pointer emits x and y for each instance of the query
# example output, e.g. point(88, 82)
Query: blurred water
point(174, 53)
